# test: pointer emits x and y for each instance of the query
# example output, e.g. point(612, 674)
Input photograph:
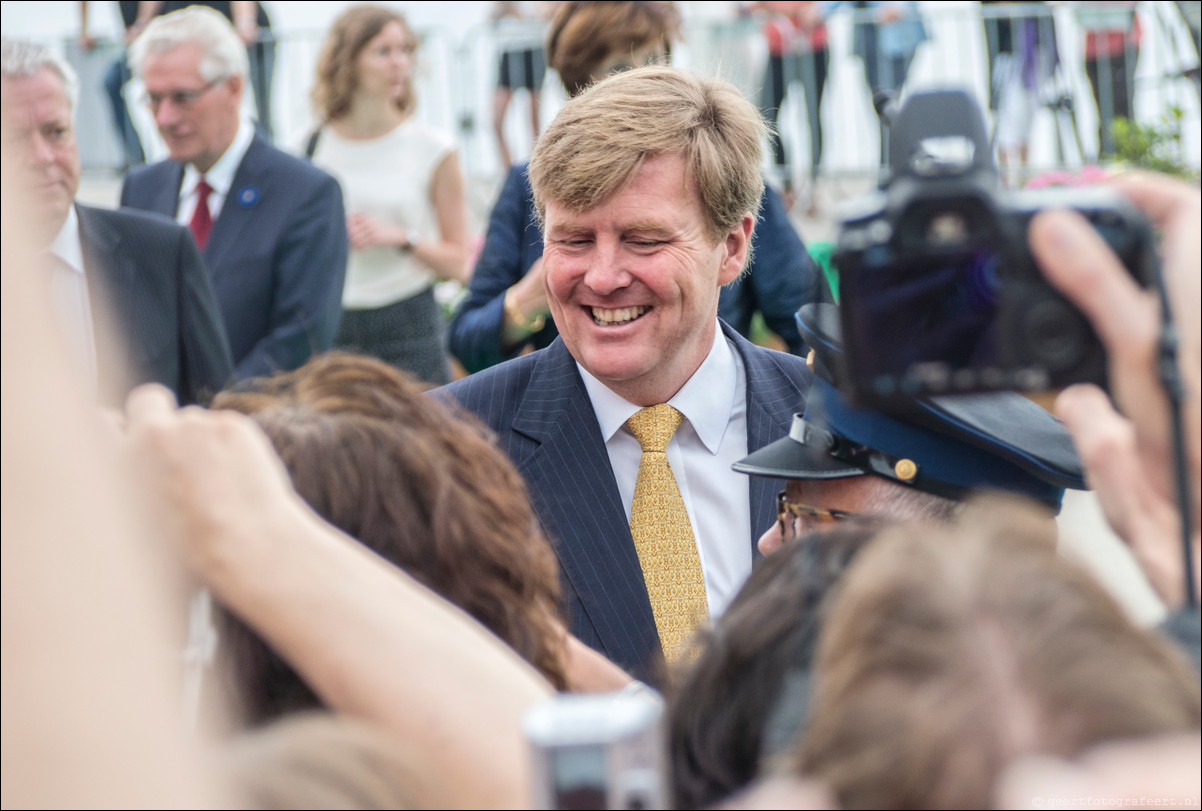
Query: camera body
point(599, 750)
point(939, 292)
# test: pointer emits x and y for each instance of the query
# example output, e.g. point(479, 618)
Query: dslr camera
point(938, 290)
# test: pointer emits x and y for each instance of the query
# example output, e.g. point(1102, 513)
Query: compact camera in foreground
point(599, 750)
point(938, 290)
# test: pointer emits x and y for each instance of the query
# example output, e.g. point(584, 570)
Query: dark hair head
point(725, 707)
point(418, 482)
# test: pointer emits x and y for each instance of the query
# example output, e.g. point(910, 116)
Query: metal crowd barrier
point(457, 77)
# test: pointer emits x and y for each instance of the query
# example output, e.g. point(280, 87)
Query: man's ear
point(738, 249)
point(237, 83)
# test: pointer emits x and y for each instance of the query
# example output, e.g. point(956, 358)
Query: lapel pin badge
point(248, 196)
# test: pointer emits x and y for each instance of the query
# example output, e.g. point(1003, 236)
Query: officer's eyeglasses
point(792, 513)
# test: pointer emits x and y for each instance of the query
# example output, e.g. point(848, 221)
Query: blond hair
point(598, 142)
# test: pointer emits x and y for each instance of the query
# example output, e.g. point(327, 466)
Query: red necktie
point(202, 220)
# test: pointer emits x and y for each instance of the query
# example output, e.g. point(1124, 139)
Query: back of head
point(21, 59)
point(417, 483)
point(318, 760)
point(946, 655)
point(588, 40)
point(224, 55)
point(338, 65)
point(746, 688)
point(598, 141)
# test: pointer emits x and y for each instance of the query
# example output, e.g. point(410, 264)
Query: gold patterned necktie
point(663, 536)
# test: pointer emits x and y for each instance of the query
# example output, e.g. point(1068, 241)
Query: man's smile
point(610, 317)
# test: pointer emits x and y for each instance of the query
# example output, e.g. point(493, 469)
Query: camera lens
point(1056, 336)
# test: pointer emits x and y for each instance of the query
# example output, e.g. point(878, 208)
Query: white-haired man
point(140, 270)
point(271, 226)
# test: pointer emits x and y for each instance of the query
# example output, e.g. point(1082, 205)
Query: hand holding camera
point(1128, 457)
point(940, 294)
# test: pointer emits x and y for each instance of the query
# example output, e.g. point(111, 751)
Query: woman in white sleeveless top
point(404, 192)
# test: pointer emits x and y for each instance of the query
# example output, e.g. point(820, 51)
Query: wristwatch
point(520, 321)
point(411, 238)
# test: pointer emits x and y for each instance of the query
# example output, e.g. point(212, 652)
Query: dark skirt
point(409, 335)
point(524, 68)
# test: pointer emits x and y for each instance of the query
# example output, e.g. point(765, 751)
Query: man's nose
point(606, 271)
point(771, 540)
point(167, 114)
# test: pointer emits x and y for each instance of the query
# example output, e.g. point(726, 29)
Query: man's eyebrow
point(646, 226)
point(653, 226)
point(567, 228)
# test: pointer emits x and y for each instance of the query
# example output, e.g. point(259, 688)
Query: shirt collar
point(67, 245)
point(706, 399)
point(221, 174)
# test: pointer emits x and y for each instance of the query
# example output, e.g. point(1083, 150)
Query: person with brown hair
point(405, 199)
point(741, 704)
point(371, 641)
point(590, 40)
point(948, 654)
point(417, 483)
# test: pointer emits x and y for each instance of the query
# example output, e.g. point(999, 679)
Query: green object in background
point(822, 252)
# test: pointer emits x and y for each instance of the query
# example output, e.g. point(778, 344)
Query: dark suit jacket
point(276, 255)
point(147, 284)
point(540, 410)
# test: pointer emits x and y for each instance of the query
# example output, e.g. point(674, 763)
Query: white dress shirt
point(69, 298)
point(711, 438)
point(219, 177)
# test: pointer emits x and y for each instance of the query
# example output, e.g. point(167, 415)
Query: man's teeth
point(622, 316)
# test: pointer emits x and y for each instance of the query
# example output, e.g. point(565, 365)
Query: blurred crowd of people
point(1067, 61)
point(260, 549)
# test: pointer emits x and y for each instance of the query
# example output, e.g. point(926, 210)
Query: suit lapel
point(238, 211)
point(570, 475)
point(110, 271)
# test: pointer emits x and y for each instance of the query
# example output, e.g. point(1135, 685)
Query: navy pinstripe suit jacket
point(539, 408)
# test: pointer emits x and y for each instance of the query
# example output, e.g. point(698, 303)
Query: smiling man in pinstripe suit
point(647, 185)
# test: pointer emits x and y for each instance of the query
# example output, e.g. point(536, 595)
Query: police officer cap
point(948, 446)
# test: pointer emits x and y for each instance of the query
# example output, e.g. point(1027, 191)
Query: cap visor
point(786, 458)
